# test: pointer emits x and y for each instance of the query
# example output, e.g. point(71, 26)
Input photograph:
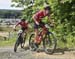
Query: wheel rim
point(50, 43)
point(31, 41)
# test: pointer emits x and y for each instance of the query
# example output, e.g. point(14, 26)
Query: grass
point(7, 29)
point(9, 42)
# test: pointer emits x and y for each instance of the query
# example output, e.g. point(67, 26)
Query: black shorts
point(41, 24)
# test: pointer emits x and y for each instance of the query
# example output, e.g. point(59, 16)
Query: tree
point(30, 7)
point(63, 13)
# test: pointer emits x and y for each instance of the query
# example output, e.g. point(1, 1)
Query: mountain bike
point(49, 41)
point(20, 40)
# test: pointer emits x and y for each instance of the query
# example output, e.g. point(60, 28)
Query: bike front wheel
point(16, 45)
point(49, 43)
point(18, 42)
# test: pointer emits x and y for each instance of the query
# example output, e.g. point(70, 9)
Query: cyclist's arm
point(16, 25)
point(51, 22)
point(35, 20)
point(49, 19)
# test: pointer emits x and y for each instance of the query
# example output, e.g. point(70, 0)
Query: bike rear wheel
point(49, 43)
point(31, 42)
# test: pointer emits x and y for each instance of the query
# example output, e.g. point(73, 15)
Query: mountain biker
point(37, 18)
point(24, 26)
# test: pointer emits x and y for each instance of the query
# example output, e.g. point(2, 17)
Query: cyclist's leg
point(36, 32)
point(38, 38)
point(35, 45)
point(44, 29)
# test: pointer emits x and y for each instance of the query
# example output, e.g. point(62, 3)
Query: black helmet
point(22, 19)
point(47, 8)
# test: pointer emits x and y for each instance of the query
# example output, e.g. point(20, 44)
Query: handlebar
point(49, 25)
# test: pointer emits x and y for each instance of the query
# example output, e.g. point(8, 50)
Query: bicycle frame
point(48, 39)
point(40, 33)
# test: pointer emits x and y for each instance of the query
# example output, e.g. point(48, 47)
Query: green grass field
point(9, 42)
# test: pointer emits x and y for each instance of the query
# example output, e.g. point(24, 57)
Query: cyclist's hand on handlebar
point(15, 30)
point(51, 24)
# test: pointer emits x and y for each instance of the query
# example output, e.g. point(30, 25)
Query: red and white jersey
point(23, 24)
point(40, 14)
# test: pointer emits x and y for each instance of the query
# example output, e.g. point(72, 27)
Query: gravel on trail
point(8, 53)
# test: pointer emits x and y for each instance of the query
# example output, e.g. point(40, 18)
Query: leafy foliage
point(63, 13)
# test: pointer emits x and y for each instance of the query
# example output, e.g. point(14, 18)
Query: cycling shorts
point(41, 24)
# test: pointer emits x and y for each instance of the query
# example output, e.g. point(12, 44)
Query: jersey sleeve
point(18, 23)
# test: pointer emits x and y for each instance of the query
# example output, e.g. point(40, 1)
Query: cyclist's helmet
point(47, 7)
point(22, 19)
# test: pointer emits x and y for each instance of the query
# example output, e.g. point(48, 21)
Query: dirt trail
point(8, 53)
